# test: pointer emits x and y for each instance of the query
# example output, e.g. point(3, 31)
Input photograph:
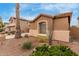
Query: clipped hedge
point(60, 50)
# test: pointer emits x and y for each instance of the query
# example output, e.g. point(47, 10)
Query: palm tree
point(18, 30)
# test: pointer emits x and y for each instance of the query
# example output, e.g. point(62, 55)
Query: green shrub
point(1, 30)
point(53, 51)
point(27, 45)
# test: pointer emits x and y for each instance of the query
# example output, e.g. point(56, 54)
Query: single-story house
point(59, 24)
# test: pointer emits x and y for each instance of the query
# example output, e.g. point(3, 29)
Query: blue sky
point(30, 11)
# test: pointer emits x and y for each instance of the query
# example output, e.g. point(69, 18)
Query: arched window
point(42, 28)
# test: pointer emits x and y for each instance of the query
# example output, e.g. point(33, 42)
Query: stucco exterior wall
point(33, 32)
point(61, 35)
point(34, 25)
point(57, 35)
point(9, 29)
point(6, 29)
point(12, 25)
point(23, 25)
point(61, 24)
point(60, 27)
point(12, 28)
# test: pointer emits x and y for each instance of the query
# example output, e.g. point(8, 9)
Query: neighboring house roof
point(53, 17)
point(9, 25)
point(15, 18)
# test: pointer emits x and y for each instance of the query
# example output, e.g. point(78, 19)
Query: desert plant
point(1, 30)
point(27, 45)
point(58, 50)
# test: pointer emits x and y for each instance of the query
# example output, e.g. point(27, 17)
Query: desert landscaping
point(46, 35)
point(13, 47)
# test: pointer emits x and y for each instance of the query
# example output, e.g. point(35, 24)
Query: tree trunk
point(18, 30)
point(50, 31)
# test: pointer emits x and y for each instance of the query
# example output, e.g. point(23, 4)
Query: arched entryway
point(42, 27)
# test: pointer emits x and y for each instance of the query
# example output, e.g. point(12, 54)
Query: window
point(42, 27)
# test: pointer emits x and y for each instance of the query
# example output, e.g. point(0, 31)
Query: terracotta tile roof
point(53, 17)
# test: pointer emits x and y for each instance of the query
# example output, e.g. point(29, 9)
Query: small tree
point(50, 31)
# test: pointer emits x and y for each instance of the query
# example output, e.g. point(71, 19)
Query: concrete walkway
point(12, 36)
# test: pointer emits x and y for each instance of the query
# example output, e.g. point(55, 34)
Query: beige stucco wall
point(6, 29)
point(34, 25)
point(12, 25)
point(23, 25)
point(61, 24)
point(57, 35)
point(61, 28)
point(12, 28)
point(9, 30)
point(61, 35)
point(33, 32)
